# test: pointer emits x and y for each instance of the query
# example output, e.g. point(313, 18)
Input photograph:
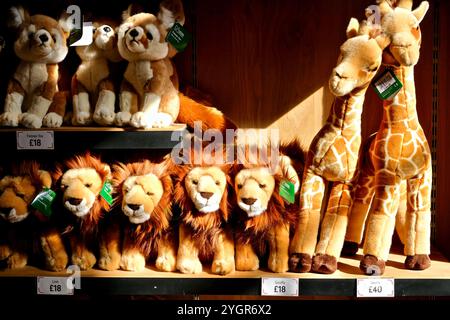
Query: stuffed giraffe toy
point(399, 154)
point(333, 154)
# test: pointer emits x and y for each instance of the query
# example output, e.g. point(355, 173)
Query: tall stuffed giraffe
point(333, 154)
point(398, 153)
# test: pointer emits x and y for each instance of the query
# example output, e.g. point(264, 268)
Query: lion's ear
point(107, 170)
point(17, 17)
point(46, 178)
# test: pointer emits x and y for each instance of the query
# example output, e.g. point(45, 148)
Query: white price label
point(35, 140)
point(279, 287)
point(54, 285)
point(375, 288)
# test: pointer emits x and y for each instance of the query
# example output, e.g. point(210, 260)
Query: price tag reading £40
point(375, 288)
point(279, 287)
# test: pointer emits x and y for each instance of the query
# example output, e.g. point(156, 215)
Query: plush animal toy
point(399, 152)
point(144, 193)
point(26, 233)
point(333, 154)
point(265, 219)
point(80, 181)
point(32, 98)
point(92, 85)
point(205, 234)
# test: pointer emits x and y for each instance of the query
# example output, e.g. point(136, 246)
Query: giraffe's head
point(360, 58)
point(401, 24)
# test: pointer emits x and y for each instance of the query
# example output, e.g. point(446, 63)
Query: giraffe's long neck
point(401, 109)
point(346, 111)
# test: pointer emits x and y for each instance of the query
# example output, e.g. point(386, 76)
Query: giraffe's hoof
point(418, 262)
point(324, 263)
point(300, 262)
point(372, 266)
point(350, 248)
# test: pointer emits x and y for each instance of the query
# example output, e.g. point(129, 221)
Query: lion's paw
point(140, 120)
point(5, 252)
point(109, 261)
point(122, 118)
point(52, 120)
point(9, 119)
point(222, 266)
point(17, 260)
point(132, 261)
point(85, 260)
point(30, 120)
point(189, 265)
point(161, 120)
point(166, 263)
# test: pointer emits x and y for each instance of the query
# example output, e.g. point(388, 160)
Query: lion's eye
point(21, 195)
point(239, 186)
point(88, 185)
point(195, 182)
point(262, 185)
point(150, 193)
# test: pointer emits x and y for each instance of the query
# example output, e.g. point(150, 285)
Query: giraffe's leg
point(381, 224)
point(333, 229)
point(418, 219)
point(305, 238)
point(400, 219)
point(362, 199)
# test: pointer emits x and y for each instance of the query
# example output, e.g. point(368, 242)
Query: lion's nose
point(206, 195)
point(248, 201)
point(6, 211)
point(43, 38)
point(134, 207)
point(74, 201)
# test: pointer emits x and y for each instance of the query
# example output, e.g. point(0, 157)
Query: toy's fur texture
point(80, 180)
point(92, 84)
point(144, 194)
point(264, 218)
point(399, 152)
point(333, 154)
point(26, 234)
point(149, 93)
point(205, 235)
point(32, 98)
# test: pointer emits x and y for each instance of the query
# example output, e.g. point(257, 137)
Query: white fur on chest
point(90, 73)
point(138, 73)
point(31, 75)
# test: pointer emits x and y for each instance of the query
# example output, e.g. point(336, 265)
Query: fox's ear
point(352, 28)
point(171, 11)
point(131, 11)
point(17, 17)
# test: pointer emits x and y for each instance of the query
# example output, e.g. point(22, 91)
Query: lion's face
point(16, 196)
point(41, 39)
point(206, 186)
point(141, 195)
point(142, 37)
point(254, 188)
point(80, 190)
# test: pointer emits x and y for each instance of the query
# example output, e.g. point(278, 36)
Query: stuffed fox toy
point(92, 84)
point(32, 98)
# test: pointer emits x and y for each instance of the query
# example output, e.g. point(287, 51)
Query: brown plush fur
point(155, 235)
point(81, 179)
point(27, 233)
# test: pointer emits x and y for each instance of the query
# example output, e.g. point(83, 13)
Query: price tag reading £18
point(279, 287)
point(35, 140)
point(375, 288)
point(53, 286)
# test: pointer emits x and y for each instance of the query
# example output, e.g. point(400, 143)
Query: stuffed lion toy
point(32, 96)
point(264, 219)
point(25, 233)
point(205, 234)
point(79, 182)
point(144, 193)
point(92, 84)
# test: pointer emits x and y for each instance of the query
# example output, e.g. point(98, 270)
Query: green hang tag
point(43, 201)
point(106, 192)
point(387, 85)
point(287, 191)
point(178, 37)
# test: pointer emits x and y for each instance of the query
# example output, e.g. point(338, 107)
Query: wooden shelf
point(103, 138)
point(432, 282)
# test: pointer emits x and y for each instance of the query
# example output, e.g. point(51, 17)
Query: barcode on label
point(385, 82)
